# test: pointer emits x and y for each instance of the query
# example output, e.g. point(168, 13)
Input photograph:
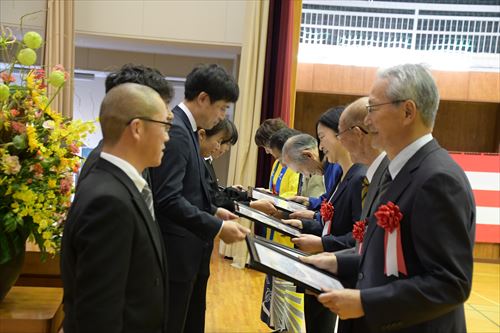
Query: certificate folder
point(267, 220)
point(279, 202)
point(269, 257)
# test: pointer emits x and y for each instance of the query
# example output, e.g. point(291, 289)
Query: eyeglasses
point(351, 128)
point(369, 107)
point(166, 124)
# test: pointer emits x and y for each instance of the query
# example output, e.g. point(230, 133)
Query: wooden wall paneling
point(484, 87)
point(305, 77)
point(310, 106)
point(370, 73)
point(468, 126)
point(452, 85)
point(321, 78)
point(488, 252)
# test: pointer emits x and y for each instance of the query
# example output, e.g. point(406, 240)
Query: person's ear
point(136, 128)
point(410, 110)
point(307, 154)
point(203, 98)
point(202, 134)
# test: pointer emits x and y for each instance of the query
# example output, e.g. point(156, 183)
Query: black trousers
point(318, 318)
point(187, 305)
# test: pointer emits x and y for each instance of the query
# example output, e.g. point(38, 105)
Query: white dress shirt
point(374, 166)
point(404, 155)
point(126, 167)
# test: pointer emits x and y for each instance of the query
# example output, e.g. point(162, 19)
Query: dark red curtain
point(277, 75)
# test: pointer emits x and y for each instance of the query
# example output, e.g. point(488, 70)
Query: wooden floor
point(234, 296)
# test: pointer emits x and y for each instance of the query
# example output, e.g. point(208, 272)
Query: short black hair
point(228, 127)
point(147, 76)
point(232, 136)
point(266, 130)
point(279, 138)
point(213, 80)
point(330, 118)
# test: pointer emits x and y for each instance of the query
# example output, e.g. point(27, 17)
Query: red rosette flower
point(389, 216)
point(326, 210)
point(358, 230)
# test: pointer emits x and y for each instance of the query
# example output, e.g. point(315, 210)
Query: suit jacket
point(347, 209)
point(182, 203)
point(437, 235)
point(112, 260)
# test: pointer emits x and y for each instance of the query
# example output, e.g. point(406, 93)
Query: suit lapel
point(201, 165)
point(397, 187)
point(373, 188)
point(342, 186)
point(151, 225)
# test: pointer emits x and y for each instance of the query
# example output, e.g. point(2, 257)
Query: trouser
point(318, 318)
point(187, 305)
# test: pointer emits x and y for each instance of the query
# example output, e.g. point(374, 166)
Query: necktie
point(384, 184)
point(364, 190)
point(148, 198)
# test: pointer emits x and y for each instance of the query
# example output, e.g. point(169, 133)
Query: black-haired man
point(188, 221)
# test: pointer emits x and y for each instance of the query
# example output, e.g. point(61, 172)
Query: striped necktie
point(364, 190)
point(148, 198)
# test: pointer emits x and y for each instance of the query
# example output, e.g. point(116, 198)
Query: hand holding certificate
point(266, 220)
point(279, 202)
point(272, 258)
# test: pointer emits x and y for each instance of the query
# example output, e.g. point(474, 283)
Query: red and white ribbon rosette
point(358, 232)
point(389, 217)
point(326, 212)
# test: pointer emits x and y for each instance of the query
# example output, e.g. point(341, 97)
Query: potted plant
point(38, 156)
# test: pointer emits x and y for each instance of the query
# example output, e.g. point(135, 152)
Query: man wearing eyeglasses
point(113, 263)
point(415, 269)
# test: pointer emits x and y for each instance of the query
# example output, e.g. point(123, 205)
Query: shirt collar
point(374, 166)
point(188, 113)
point(126, 167)
point(404, 155)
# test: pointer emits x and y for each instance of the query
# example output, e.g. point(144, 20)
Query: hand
point(264, 206)
point(232, 232)
point(238, 187)
point(300, 199)
point(309, 243)
point(224, 214)
point(303, 214)
point(346, 303)
point(325, 260)
point(264, 190)
point(293, 223)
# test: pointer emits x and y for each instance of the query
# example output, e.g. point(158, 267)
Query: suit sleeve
point(104, 242)
point(168, 185)
point(441, 228)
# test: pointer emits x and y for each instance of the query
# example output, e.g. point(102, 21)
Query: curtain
point(243, 159)
point(280, 71)
point(60, 49)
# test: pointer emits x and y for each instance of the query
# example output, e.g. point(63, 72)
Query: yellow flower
point(32, 138)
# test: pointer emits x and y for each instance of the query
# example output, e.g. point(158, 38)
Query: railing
point(412, 26)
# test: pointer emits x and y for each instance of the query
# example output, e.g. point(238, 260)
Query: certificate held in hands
point(279, 202)
point(272, 258)
point(268, 221)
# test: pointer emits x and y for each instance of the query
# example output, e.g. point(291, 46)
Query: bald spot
point(123, 103)
point(355, 113)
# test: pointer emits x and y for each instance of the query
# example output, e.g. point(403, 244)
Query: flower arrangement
point(38, 151)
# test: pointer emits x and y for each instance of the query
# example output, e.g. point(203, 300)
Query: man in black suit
point(113, 262)
point(130, 73)
point(188, 220)
point(417, 284)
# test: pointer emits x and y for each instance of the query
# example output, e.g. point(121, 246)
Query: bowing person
point(330, 228)
point(113, 263)
point(187, 218)
point(415, 269)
